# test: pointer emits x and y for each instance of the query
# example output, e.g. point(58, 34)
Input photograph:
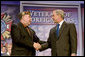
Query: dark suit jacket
point(65, 44)
point(22, 42)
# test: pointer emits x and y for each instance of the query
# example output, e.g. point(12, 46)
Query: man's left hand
point(73, 54)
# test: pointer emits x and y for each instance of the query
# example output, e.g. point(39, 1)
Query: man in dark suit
point(23, 37)
point(62, 38)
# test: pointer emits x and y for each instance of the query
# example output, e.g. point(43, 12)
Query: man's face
point(27, 19)
point(4, 49)
point(55, 17)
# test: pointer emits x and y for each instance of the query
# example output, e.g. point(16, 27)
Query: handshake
point(37, 46)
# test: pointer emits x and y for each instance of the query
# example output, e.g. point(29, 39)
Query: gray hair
point(61, 12)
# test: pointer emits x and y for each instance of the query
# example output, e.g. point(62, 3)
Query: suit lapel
point(54, 32)
point(54, 29)
point(62, 28)
point(31, 32)
point(23, 29)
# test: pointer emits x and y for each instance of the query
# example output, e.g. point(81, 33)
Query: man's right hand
point(37, 46)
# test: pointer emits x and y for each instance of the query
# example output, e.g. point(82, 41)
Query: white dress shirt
point(60, 24)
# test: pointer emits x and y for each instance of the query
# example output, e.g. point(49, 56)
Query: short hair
point(4, 46)
point(22, 14)
point(59, 11)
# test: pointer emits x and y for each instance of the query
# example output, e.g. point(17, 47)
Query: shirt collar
point(61, 22)
point(8, 53)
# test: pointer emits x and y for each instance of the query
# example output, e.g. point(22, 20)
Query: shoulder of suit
point(14, 25)
point(32, 30)
point(70, 23)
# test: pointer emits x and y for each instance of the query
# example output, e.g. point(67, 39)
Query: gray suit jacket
point(65, 44)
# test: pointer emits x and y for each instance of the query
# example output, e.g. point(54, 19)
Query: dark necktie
point(57, 31)
point(28, 31)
